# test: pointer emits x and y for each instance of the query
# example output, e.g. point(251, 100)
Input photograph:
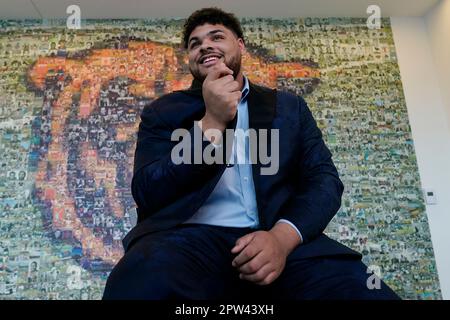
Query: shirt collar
point(246, 88)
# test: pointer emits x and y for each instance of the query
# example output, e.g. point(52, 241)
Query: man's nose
point(206, 46)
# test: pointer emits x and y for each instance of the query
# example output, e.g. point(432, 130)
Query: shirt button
point(245, 179)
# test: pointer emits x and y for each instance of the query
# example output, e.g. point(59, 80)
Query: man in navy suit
point(250, 223)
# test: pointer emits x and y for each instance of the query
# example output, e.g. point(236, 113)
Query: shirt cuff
point(216, 146)
point(293, 226)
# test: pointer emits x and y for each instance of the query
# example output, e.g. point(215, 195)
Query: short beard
point(234, 64)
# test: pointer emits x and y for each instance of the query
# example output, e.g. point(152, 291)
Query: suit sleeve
point(318, 190)
point(157, 181)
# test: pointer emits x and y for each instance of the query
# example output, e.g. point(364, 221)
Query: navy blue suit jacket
point(306, 189)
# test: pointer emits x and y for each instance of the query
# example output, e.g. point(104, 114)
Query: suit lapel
point(261, 110)
point(261, 106)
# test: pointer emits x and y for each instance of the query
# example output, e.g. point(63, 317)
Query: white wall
point(438, 26)
point(429, 125)
point(175, 8)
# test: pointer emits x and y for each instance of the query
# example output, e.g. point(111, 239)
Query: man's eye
point(217, 37)
point(194, 44)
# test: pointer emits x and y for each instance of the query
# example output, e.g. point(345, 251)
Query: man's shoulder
point(172, 108)
point(290, 94)
point(179, 96)
point(279, 92)
point(261, 88)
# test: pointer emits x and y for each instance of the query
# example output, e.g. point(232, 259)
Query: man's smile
point(210, 59)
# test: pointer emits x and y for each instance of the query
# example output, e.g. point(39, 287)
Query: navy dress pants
point(193, 261)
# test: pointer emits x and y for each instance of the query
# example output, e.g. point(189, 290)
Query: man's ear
point(241, 45)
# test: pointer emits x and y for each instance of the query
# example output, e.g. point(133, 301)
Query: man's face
point(210, 43)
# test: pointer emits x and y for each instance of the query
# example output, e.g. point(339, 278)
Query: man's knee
point(160, 273)
point(333, 278)
point(137, 281)
point(355, 287)
point(353, 280)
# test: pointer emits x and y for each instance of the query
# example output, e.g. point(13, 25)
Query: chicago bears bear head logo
point(85, 136)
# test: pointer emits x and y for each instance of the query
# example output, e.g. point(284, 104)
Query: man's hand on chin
point(261, 255)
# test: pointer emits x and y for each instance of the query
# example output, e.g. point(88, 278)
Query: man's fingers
point(225, 72)
point(271, 277)
point(254, 264)
point(234, 97)
point(259, 275)
point(231, 86)
point(248, 253)
point(224, 81)
point(242, 242)
point(217, 71)
point(237, 95)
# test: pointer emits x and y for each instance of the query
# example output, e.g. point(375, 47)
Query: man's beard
point(234, 64)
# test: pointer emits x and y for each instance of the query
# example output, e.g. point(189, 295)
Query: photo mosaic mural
point(69, 112)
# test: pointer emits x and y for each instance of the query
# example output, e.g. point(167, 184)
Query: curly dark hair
point(211, 15)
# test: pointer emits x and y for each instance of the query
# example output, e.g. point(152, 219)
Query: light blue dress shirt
point(232, 203)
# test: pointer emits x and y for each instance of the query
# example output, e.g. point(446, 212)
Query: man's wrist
point(287, 236)
point(212, 129)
